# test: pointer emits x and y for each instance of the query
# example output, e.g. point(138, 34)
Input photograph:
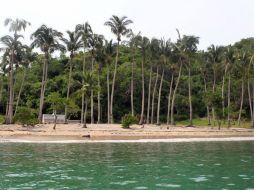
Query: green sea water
point(190, 166)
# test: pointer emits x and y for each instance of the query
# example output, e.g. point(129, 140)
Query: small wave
point(199, 179)
point(168, 185)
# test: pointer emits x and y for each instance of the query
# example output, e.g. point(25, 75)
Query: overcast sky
point(219, 22)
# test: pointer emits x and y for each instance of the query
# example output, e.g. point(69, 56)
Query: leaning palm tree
point(11, 45)
point(27, 57)
point(73, 44)
point(47, 39)
point(14, 26)
point(119, 28)
point(84, 31)
point(178, 47)
point(165, 51)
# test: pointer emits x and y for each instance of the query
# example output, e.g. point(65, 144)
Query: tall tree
point(85, 32)
point(215, 57)
point(165, 51)
point(230, 59)
point(47, 39)
point(95, 41)
point(144, 44)
point(188, 50)
point(119, 27)
point(73, 44)
point(14, 26)
point(243, 61)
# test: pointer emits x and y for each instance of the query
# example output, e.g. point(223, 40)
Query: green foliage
point(128, 120)
point(1, 119)
point(25, 115)
point(56, 102)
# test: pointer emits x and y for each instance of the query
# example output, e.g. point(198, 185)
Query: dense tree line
point(98, 80)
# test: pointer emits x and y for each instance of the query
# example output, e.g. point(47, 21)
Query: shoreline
point(74, 133)
point(176, 140)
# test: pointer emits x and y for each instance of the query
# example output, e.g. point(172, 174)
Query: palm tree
point(14, 26)
point(189, 49)
point(155, 51)
point(12, 44)
point(178, 47)
point(84, 31)
point(27, 57)
point(243, 61)
point(165, 51)
point(204, 70)
point(134, 41)
point(47, 39)
point(73, 44)
point(95, 41)
point(215, 58)
point(97, 55)
point(119, 28)
point(108, 51)
point(144, 44)
point(230, 59)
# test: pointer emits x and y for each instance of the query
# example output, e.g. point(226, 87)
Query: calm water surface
point(203, 165)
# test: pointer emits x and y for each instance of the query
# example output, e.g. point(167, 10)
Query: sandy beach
point(104, 132)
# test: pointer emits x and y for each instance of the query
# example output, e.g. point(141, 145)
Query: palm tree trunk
point(153, 96)
point(222, 96)
point(99, 99)
point(55, 119)
point(169, 97)
point(190, 97)
point(85, 114)
point(207, 106)
point(172, 122)
point(159, 99)
point(92, 103)
point(149, 96)
point(253, 106)
point(229, 94)
point(241, 104)
point(141, 121)
point(214, 83)
point(132, 87)
point(20, 91)
point(108, 90)
point(113, 84)
point(249, 93)
point(43, 85)
point(68, 90)
point(83, 93)
point(9, 119)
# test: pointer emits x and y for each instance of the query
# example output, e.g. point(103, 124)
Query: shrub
point(25, 116)
point(128, 120)
point(2, 119)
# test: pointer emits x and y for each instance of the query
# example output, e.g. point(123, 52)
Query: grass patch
point(199, 122)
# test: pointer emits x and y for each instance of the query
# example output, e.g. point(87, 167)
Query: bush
point(25, 116)
point(128, 120)
point(2, 119)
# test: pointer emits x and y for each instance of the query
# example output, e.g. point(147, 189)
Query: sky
point(219, 22)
